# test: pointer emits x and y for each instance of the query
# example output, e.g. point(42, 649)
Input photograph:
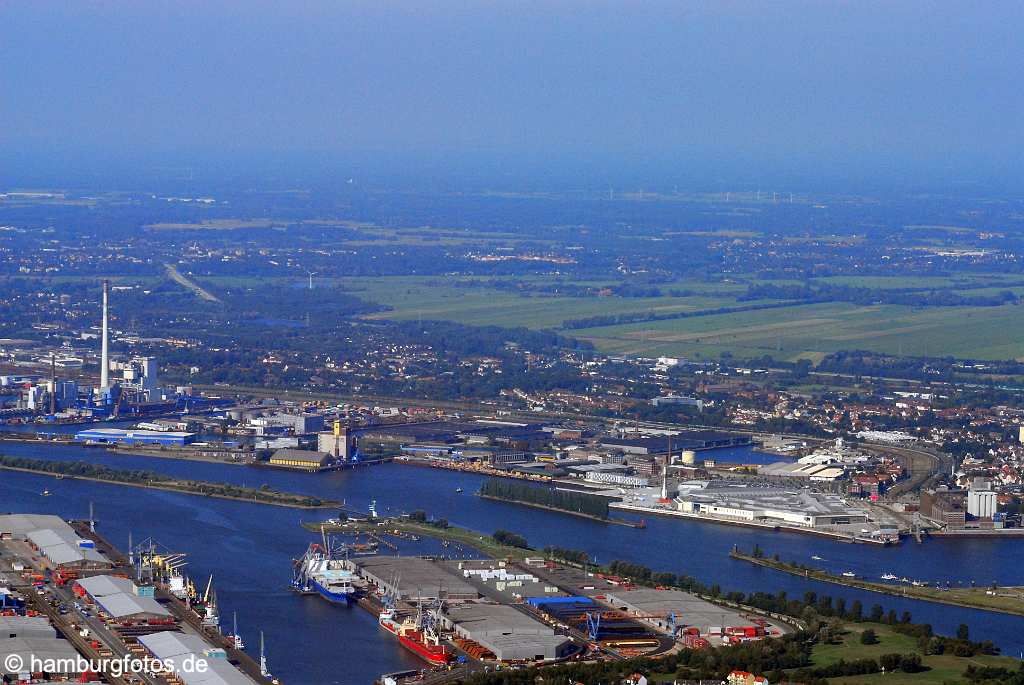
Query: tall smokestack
point(53, 384)
point(104, 358)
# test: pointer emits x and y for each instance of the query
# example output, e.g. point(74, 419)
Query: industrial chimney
point(104, 356)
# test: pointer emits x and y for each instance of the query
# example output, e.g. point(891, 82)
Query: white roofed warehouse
point(120, 598)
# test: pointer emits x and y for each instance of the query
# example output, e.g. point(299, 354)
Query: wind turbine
point(311, 274)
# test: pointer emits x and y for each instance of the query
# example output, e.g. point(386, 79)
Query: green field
point(810, 331)
point(800, 331)
point(423, 298)
point(941, 668)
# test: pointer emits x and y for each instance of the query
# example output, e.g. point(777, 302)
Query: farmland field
point(799, 331)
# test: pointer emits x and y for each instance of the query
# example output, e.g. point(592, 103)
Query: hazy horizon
point(920, 94)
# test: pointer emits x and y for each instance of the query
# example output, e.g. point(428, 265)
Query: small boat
point(919, 583)
point(45, 493)
point(815, 557)
point(849, 574)
point(889, 576)
point(458, 489)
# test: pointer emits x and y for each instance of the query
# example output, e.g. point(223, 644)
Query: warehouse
point(684, 440)
point(121, 598)
point(23, 638)
point(186, 653)
point(689, 610)
point(18, 526)
point(302, 460)
point(816, 473)
point(63, 548)
point(507, 632)
point(120, 436)
point(766, 504)
point(414, 578)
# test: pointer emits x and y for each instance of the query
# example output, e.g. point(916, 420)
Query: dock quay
point(65, 580)
point(523, 612)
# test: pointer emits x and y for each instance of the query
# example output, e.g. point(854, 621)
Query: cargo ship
point(321, 571)
point(417, 638)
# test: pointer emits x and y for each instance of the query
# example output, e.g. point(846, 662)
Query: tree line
point(566, 500)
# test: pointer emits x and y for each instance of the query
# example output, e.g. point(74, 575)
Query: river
point(249, 549)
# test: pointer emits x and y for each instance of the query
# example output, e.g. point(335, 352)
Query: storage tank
point(689, 457)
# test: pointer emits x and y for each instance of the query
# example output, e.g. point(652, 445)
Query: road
point(180, 279)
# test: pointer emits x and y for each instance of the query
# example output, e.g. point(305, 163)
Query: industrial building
point(414, 579)
point(766, 505)
point(337, 442)
point(945, 505)
point(54, 539)
point(508, 633)
point(184, 651)
point(23, 639)
point(121, 598)
point(815, 473)
point(684, 440)
point(687, 609)
point(302, 460)
point(135, 437)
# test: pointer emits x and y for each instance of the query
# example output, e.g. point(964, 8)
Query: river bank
point(1005, 600)
point(580, 514)
point(197, 488)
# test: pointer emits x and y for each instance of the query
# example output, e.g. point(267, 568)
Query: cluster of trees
point(788, 652)
point(420, 516)
point(864, 363)
point(504, 537)
point(517, 491)
point(914, 297)
point(572, 556)
point(639, 317)
point(994, 675)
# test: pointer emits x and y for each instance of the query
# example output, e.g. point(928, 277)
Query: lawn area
point(941, 668)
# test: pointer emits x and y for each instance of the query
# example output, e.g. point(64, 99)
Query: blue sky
point(782, 87)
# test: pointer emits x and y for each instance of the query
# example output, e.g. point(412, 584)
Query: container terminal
point(66, 592)
point(476, 614)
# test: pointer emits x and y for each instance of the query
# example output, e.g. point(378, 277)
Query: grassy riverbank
point(1006, 600)
point(80, 470)
point(485, 544)
point(579, 514)
point(936, 668)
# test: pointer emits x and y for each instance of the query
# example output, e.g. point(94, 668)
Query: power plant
point(128, 386)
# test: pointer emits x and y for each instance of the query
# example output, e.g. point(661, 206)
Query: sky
point(721, 90)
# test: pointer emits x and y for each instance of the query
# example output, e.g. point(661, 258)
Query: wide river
point(249, 549)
